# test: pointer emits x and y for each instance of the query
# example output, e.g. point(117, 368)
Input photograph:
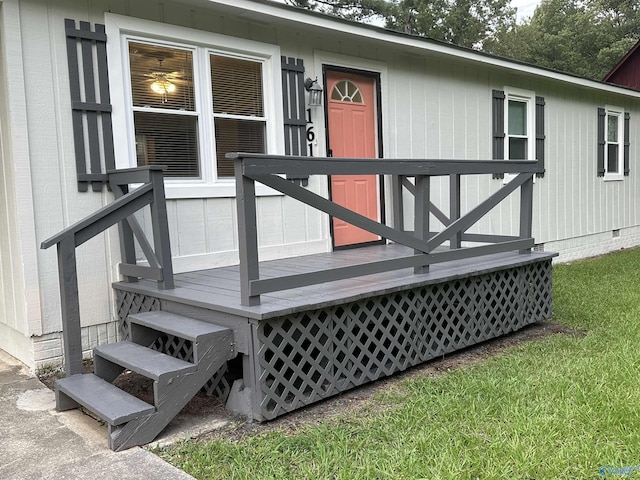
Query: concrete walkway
point(36, 442)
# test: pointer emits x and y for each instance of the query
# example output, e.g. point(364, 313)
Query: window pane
point(237, 86)
point(237, 136)
point(161, 77)
point(612, 158)
point(346, 91)
point(166, 139)
point(517, 148)
point(612, 128)
point(517, 118)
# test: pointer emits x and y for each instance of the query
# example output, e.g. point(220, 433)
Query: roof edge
point(315, 19)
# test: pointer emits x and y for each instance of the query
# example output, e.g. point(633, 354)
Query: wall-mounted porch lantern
point(315, 92)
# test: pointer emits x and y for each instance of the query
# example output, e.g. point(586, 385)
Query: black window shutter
point(626, 143)
point(540, 136)
point(91, 45)
point(295, 124)
point(601, 144)
point(498, 127)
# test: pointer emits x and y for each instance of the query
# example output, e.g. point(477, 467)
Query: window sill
point(510, 176)
point(613, 178)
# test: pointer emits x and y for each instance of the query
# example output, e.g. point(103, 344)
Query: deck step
point(150, 363)
point(177, 325)
point(108, 402)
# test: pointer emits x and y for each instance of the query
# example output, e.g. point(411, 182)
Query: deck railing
point(269, 170)
point(150, 192)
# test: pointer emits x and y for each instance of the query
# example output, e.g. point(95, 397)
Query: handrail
point(267, 169)
point(257, 164)
point(90, 226)
point(120, 211)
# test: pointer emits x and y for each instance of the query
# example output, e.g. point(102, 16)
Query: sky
point(525, 7)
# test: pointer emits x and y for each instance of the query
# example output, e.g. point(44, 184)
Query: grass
point(560, 408)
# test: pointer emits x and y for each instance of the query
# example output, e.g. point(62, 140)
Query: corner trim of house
point(17, 345)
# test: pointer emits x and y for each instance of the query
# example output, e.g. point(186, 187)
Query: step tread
point(177, 325)
point(107, 401)
point(145, 361)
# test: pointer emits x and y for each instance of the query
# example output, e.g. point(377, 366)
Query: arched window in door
point(346, 91)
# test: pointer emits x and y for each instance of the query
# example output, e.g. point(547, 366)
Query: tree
point(585, 38)
point(467, 23)
point(358, 10)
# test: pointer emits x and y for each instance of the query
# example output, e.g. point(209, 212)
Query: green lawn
point(560, 408)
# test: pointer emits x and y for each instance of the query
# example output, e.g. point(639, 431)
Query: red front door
point(353, 134)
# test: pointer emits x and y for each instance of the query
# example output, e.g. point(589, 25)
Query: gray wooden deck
point(219, 288)
point(304, 344)
point(301, 329)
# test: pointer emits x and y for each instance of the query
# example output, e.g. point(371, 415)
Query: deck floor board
point(219, 288)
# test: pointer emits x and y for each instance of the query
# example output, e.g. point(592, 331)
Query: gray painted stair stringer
point(173, 394)
point(131, 421)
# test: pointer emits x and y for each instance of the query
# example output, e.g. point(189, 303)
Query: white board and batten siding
point(203, 225)
point(20, 300)
point(203, 231)
point(435, 103)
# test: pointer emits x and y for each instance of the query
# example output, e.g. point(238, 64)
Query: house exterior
point(626, 72)
point(189, 81)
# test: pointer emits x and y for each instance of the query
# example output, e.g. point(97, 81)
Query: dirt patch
point(203, 406)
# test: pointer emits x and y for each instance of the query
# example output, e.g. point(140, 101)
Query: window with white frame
point(520, 134)
point(613, 143)
point(189, 98)
point(165, 114)
point(518, 122)
point(238, 111)
point(613, 150)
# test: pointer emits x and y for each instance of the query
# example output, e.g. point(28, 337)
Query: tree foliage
point(358, 10)
point(586, 38)
point(583, 37)
point(468, 23)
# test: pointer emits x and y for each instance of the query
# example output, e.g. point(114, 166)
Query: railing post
point(526, 211)
point(397, 202)
point(70, 306)
point(247, 234)
point(422, 197)
point(127, 245)
point(160, 227)
point(454, 208)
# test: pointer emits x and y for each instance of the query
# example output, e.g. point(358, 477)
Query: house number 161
point(311, 135)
